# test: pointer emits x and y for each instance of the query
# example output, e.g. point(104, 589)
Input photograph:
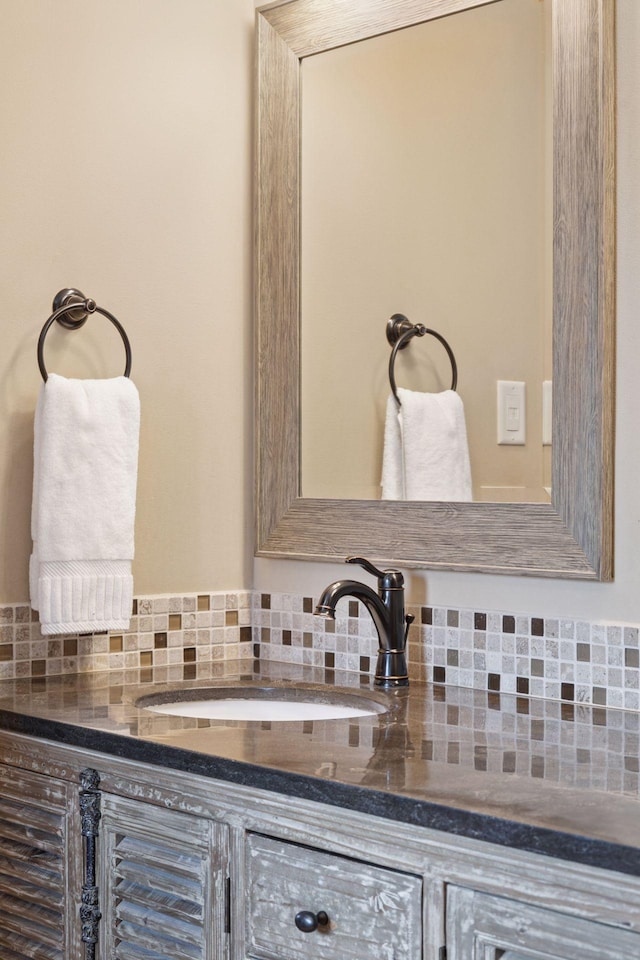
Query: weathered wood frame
point(571, 537)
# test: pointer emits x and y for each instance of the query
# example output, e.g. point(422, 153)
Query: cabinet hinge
point(227, 906)
point(442, 953)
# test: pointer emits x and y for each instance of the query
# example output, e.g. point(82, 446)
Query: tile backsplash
point(571, 661)
point(164, 631)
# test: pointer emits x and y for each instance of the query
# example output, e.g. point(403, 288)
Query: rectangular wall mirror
point(452, 160)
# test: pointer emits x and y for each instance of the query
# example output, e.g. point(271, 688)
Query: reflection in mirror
point(426, 189)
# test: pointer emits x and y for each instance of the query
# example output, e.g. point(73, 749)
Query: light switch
point(511, 412)
point(547, 404)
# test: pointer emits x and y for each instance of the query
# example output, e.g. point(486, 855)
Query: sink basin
point(263, 703)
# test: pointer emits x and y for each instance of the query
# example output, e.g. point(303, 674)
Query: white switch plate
point(547, 405)
point(511, 412)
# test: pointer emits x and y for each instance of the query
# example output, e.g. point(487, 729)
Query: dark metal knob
point(307, 922)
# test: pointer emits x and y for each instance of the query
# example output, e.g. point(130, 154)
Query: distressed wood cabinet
point(302, 902)
point(162, 882)
point(200, 869)
point(485, 927)
point(40, 880)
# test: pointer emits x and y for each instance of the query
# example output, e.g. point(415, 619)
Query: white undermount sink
point(263, 703)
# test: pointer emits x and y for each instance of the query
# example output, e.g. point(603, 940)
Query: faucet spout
point(386, 609)
point(353, 588)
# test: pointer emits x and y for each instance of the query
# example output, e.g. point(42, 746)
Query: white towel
point(83, 510)
point(426, 455)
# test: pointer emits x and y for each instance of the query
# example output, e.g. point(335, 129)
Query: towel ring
point(71, 309)
point(400, 331)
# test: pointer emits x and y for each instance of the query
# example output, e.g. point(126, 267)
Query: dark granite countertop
point(551, 778)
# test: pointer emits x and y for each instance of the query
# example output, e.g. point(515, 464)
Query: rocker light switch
point(511, 412)
point(547, 402)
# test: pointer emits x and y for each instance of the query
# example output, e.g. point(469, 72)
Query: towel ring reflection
point(71, 309)
point(400, 331)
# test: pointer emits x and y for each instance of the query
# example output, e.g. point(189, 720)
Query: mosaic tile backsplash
point(164, 631)
point(567, 660)
point(571, 661)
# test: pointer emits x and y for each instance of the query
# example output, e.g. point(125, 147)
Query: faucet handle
point(367, 565)
point(387, 579)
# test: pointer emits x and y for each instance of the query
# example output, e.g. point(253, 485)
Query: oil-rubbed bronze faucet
point(387, 612)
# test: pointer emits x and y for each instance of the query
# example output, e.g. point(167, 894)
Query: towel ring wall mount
point(71, 309)
point(400, 331)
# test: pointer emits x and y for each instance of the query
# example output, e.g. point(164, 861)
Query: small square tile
point(115, 645)
point(480, 621)
point(508, 624)
point(537, 668)
point(537, 627)
point(70, 647)
point(631, 657)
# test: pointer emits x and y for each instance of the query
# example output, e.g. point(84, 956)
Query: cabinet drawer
point(373, 913)
point(481, 926)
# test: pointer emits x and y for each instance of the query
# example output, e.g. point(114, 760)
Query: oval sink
point(273, 704)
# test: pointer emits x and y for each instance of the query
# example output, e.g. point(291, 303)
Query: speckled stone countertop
point(556, 779)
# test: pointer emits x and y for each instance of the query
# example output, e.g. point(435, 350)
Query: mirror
point(426, 191)
point(572, 535)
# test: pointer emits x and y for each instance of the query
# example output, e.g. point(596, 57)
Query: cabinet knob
point(307, 922)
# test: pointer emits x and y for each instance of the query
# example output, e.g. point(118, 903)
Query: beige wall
point(158, 231)
point(126, 171)
point(425, 187)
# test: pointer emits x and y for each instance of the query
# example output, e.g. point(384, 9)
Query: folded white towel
point(426, 455)
point(84, 490)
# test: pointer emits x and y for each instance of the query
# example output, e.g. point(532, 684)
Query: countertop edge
point(476, 825)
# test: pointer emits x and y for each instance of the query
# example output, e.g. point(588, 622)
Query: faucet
point(387, 612)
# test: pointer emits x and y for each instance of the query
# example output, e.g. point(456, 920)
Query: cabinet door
point(306, 904)
point(163, 883)
point(485, 927)
point(39, 878)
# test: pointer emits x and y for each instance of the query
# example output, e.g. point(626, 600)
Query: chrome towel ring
point(400, 331)
point(71, 309)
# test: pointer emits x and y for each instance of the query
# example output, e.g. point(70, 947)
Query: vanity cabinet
point(485, 927)
point(198, 868)
point(40, 851)
point(163, 883)
point(307, 903)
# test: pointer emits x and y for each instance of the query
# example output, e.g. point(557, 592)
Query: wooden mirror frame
point(572, 536)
